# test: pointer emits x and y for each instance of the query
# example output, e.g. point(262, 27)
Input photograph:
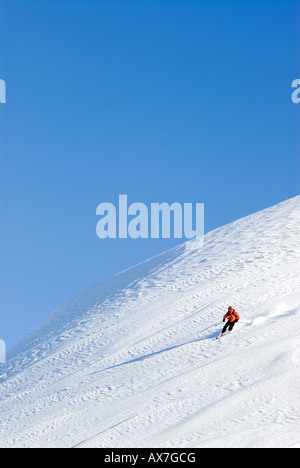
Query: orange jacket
point(232, 316)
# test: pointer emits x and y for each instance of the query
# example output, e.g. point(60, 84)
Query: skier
point(233, 317)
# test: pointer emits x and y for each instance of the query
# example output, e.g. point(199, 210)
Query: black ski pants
point(229, 325)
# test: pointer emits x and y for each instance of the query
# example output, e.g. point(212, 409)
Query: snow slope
point(133, 362)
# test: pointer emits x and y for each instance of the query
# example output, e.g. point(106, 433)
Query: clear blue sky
point(163, 100)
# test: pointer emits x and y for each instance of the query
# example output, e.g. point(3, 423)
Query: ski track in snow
point(133, 362)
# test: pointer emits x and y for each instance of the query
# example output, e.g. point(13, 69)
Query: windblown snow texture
point(133, 362)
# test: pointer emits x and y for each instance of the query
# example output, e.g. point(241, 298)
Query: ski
point(222, 334)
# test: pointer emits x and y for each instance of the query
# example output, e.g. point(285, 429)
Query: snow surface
point(133, 362)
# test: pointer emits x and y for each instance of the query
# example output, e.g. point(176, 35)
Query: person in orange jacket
point(233, 317)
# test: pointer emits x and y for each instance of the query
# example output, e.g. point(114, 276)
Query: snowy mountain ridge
point(133, 362)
